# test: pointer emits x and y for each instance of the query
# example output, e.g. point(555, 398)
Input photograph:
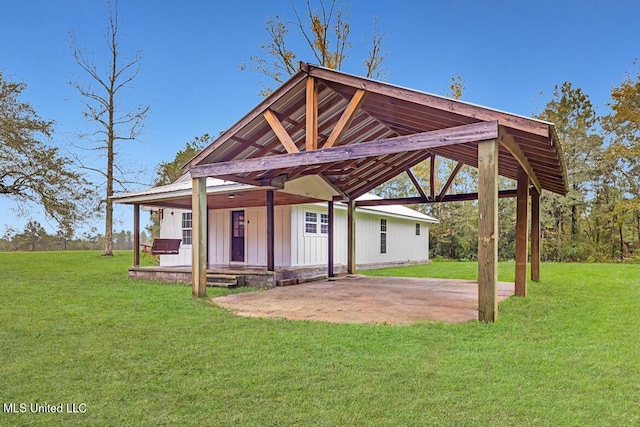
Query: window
point(186, 228)
point(310, 222)
point(383, 236)
point(324, 223)
point(417, 229)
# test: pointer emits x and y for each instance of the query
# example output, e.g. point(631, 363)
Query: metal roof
point(178, 195)
point(387, 111)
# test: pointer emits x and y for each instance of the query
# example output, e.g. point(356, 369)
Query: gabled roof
point(380, 111)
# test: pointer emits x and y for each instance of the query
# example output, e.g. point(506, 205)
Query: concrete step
point(222, 280)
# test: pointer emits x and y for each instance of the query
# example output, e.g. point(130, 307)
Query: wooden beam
point(242, 180)
point(136, 235)
point(522, 233)
point(507, 141)
point(248, 118)
point(345, 119)
point(433, 101)
point(281, 132)
point(535, 235)
point(311, 136)
point(351, 237)
point(502, 194)
point(381, 176)
point(444, 190)
point(416, 142)
point(270, 232)
point(199, 238)
point(488, 231)
point(432, 178)
point(330, 239)
point(416, 184)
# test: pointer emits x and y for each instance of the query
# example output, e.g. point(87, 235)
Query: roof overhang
point(352, 115)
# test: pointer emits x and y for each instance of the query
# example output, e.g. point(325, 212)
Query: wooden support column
point(199, 237)
point(535, 235)
point(330, 239)
point(432, 177)
point(351, 236)
point(270, 232)
point(136, 235)
point(522, 232)
point(488, 231)
point(311, 138)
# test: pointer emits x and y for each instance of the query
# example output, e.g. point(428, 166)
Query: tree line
point(34, 237)
point(598, 219)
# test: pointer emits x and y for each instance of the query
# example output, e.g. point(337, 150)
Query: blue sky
point(511, 54)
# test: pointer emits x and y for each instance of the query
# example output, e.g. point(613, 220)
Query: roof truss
point(376, 150)
point(319, 109)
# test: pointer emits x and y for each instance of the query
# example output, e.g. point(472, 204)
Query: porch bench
point(164, 247)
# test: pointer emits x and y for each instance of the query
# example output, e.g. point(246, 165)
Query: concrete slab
point(363, 299)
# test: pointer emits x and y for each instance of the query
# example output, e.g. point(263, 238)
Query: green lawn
point(74, 329)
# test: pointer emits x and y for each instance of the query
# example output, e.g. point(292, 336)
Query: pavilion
point(354, 134)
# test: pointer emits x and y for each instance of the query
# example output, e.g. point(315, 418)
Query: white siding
point(219, 247)
point(219, 244)
point(256, 236)
point(295, 247)
point(402, 242)
point(171, 228)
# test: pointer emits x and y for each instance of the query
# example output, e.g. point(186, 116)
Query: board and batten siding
point(402, 242)
point(171, 228)
point(219, 237)
point(312, 248)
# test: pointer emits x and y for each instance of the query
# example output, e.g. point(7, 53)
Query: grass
point(75, 329)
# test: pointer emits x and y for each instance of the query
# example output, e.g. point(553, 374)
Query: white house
point(237, 235)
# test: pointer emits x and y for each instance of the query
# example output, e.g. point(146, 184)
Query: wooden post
point(351, 236)
point(488, 230)
point(311, 138)
point(432, 177)
point(270, 232)
point(535, 235)
point(136, 235)
point(330, 239)
point(199, 237)
point(522, 232)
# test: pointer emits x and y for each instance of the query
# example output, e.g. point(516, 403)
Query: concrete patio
point(363, 299)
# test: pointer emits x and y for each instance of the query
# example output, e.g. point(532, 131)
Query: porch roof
point(266, 144)
point(229, 195)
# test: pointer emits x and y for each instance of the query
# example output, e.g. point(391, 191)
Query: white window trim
point(318, 223)
point(182, 228)
point(384, 232)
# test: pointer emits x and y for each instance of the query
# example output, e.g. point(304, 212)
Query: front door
point(237, 236)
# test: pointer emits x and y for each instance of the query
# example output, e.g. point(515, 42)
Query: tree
point(30, 170)
point(102, 108)
point(325, 32)
point(623, 126)
point(575, 120)
point(168, 172)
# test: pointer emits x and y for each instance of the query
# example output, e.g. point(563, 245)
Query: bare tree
point(101, 101)
point(326, 32)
